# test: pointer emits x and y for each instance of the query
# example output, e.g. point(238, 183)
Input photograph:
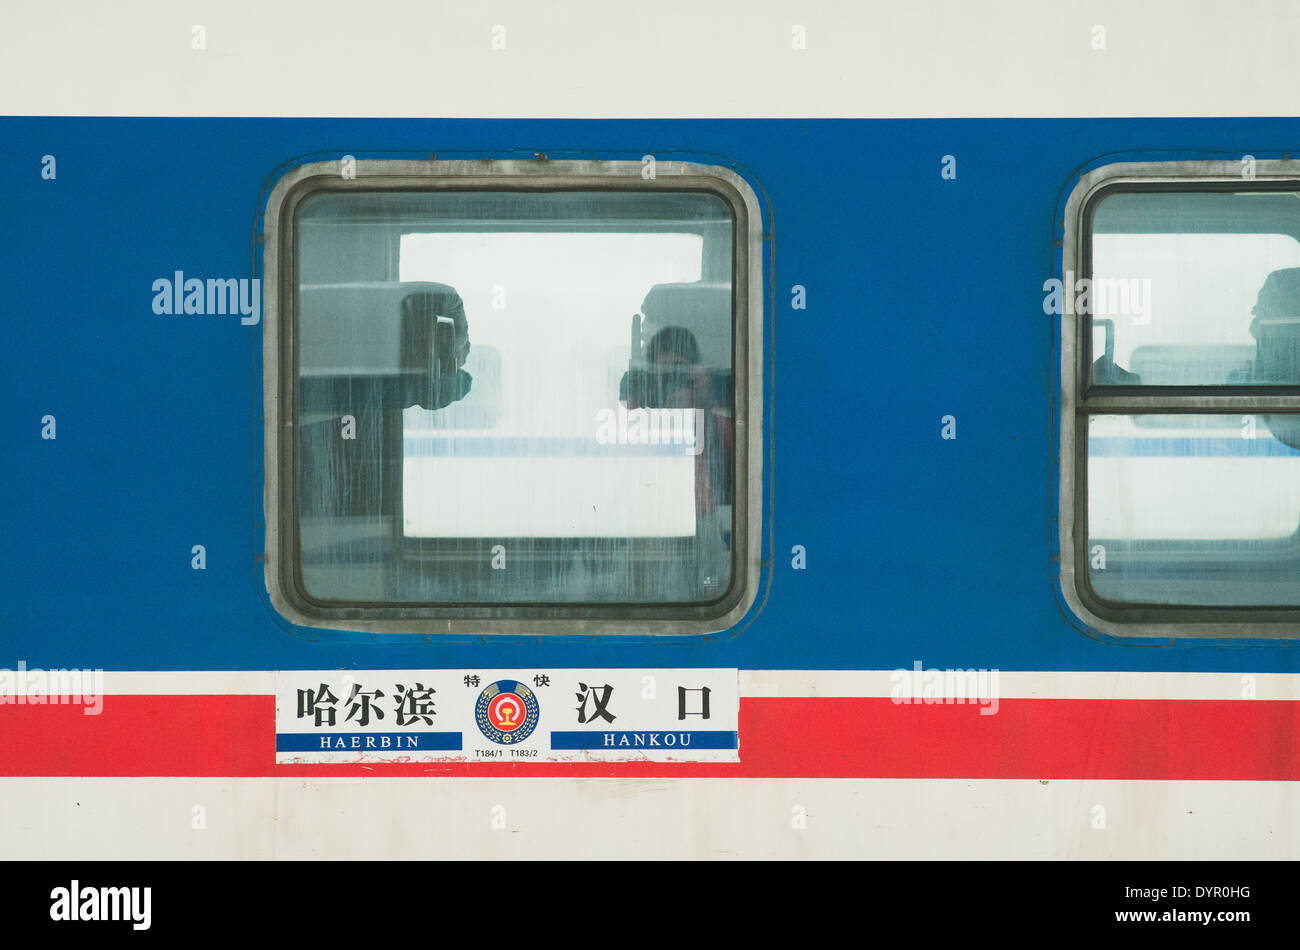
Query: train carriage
point(650, 487)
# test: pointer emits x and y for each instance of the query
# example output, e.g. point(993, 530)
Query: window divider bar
point(1189, 403)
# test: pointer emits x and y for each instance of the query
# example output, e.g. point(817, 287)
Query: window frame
point(280, 379)
point(1080, 400)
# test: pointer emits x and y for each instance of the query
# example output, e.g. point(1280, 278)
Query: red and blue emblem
point(507, 712)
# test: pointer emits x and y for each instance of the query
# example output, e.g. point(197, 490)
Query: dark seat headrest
point(421, 337)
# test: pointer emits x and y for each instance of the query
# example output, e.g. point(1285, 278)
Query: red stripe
point(779, 738)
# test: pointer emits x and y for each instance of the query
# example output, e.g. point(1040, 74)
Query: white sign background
point(594, 715)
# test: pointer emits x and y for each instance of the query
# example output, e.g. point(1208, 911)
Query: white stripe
point(821, 683)
point(568, 58)
point(401, 818)
point(1013, 684)
point(189, 683)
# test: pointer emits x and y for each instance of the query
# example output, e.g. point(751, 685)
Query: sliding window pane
point(1199, 510)
point(1194, 288)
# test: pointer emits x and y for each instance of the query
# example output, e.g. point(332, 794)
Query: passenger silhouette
point(677, 380)
point(678, 377)
point(1105, 371)
point(1276, 329)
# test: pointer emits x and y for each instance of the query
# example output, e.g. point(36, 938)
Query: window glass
point(1197, 510)
point(515, 397)
point(1195, 288)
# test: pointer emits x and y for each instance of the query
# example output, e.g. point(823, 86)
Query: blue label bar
point(367, 742)
point(535, 447)
point(1265, 446)
point(645, 739)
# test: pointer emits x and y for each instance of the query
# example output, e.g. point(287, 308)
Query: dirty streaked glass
point(1194, 288)
point(515, 397)
point(1197, 510)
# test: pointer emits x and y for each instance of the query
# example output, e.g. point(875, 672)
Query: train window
point(513, 400)
point(1180, 426)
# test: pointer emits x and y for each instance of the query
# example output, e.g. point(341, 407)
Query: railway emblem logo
point(507, 712)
